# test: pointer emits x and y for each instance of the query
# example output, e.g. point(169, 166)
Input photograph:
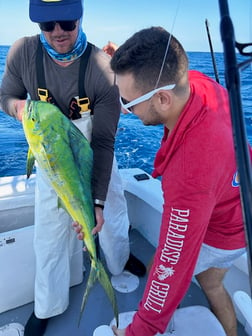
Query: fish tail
point(97, 272)
point(107, 286)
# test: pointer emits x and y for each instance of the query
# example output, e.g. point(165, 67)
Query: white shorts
point(214, 257)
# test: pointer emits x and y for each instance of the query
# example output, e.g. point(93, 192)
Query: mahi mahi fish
point(65, 157)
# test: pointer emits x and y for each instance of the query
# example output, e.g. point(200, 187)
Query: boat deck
point(98, 310)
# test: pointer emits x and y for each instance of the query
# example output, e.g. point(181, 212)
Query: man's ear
point(164, 99)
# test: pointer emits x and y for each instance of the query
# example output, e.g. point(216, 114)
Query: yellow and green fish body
point(65, 157)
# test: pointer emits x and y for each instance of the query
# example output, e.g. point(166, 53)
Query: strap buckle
point(43, 94)
point(83, 103)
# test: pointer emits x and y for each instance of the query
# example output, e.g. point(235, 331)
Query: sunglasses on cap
point(126, 105)
point(64, 25)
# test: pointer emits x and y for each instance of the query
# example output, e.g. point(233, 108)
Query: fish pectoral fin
point(62, 205)
point(29, 163)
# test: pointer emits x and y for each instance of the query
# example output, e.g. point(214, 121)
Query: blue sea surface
point(136, 144)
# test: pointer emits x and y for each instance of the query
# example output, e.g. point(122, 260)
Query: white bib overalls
point(57, 248)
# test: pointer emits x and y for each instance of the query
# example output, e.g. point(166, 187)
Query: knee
point(211, 286)
point(213, 290)
point(211, 280)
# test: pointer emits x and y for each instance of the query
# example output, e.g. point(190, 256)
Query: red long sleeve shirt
point(201, 201)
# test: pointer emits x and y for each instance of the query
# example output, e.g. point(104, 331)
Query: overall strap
point(81, 103)
point(82, 71)
point(43, 92)
point(77, 104)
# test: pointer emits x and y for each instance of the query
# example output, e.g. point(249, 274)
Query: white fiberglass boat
point(144, 200)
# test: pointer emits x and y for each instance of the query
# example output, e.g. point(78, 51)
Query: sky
point(116, 20)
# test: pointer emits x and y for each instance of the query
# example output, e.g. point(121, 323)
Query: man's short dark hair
point(142, 55)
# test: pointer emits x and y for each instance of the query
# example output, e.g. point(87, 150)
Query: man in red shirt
point(202, 227)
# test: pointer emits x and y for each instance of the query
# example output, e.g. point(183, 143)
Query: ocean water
point(136, 144)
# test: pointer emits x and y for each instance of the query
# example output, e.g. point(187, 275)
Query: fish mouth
point(29, 107)
point(29, 110)
point(28, 103)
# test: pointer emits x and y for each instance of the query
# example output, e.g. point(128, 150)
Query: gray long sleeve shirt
point(20, 79)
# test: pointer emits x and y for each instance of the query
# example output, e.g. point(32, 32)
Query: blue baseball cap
point(55, 10)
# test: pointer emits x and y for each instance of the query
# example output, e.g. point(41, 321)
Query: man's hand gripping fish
point(65, 157)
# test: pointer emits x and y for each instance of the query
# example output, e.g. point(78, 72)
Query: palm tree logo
point(164, 272)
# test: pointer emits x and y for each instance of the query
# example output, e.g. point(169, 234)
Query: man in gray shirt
point(50, 67)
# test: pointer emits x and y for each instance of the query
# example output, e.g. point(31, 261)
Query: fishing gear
point(212, 52)
point(242, 50)
point(232, 79)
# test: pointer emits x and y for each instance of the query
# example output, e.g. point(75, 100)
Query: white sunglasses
point(128, 105)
